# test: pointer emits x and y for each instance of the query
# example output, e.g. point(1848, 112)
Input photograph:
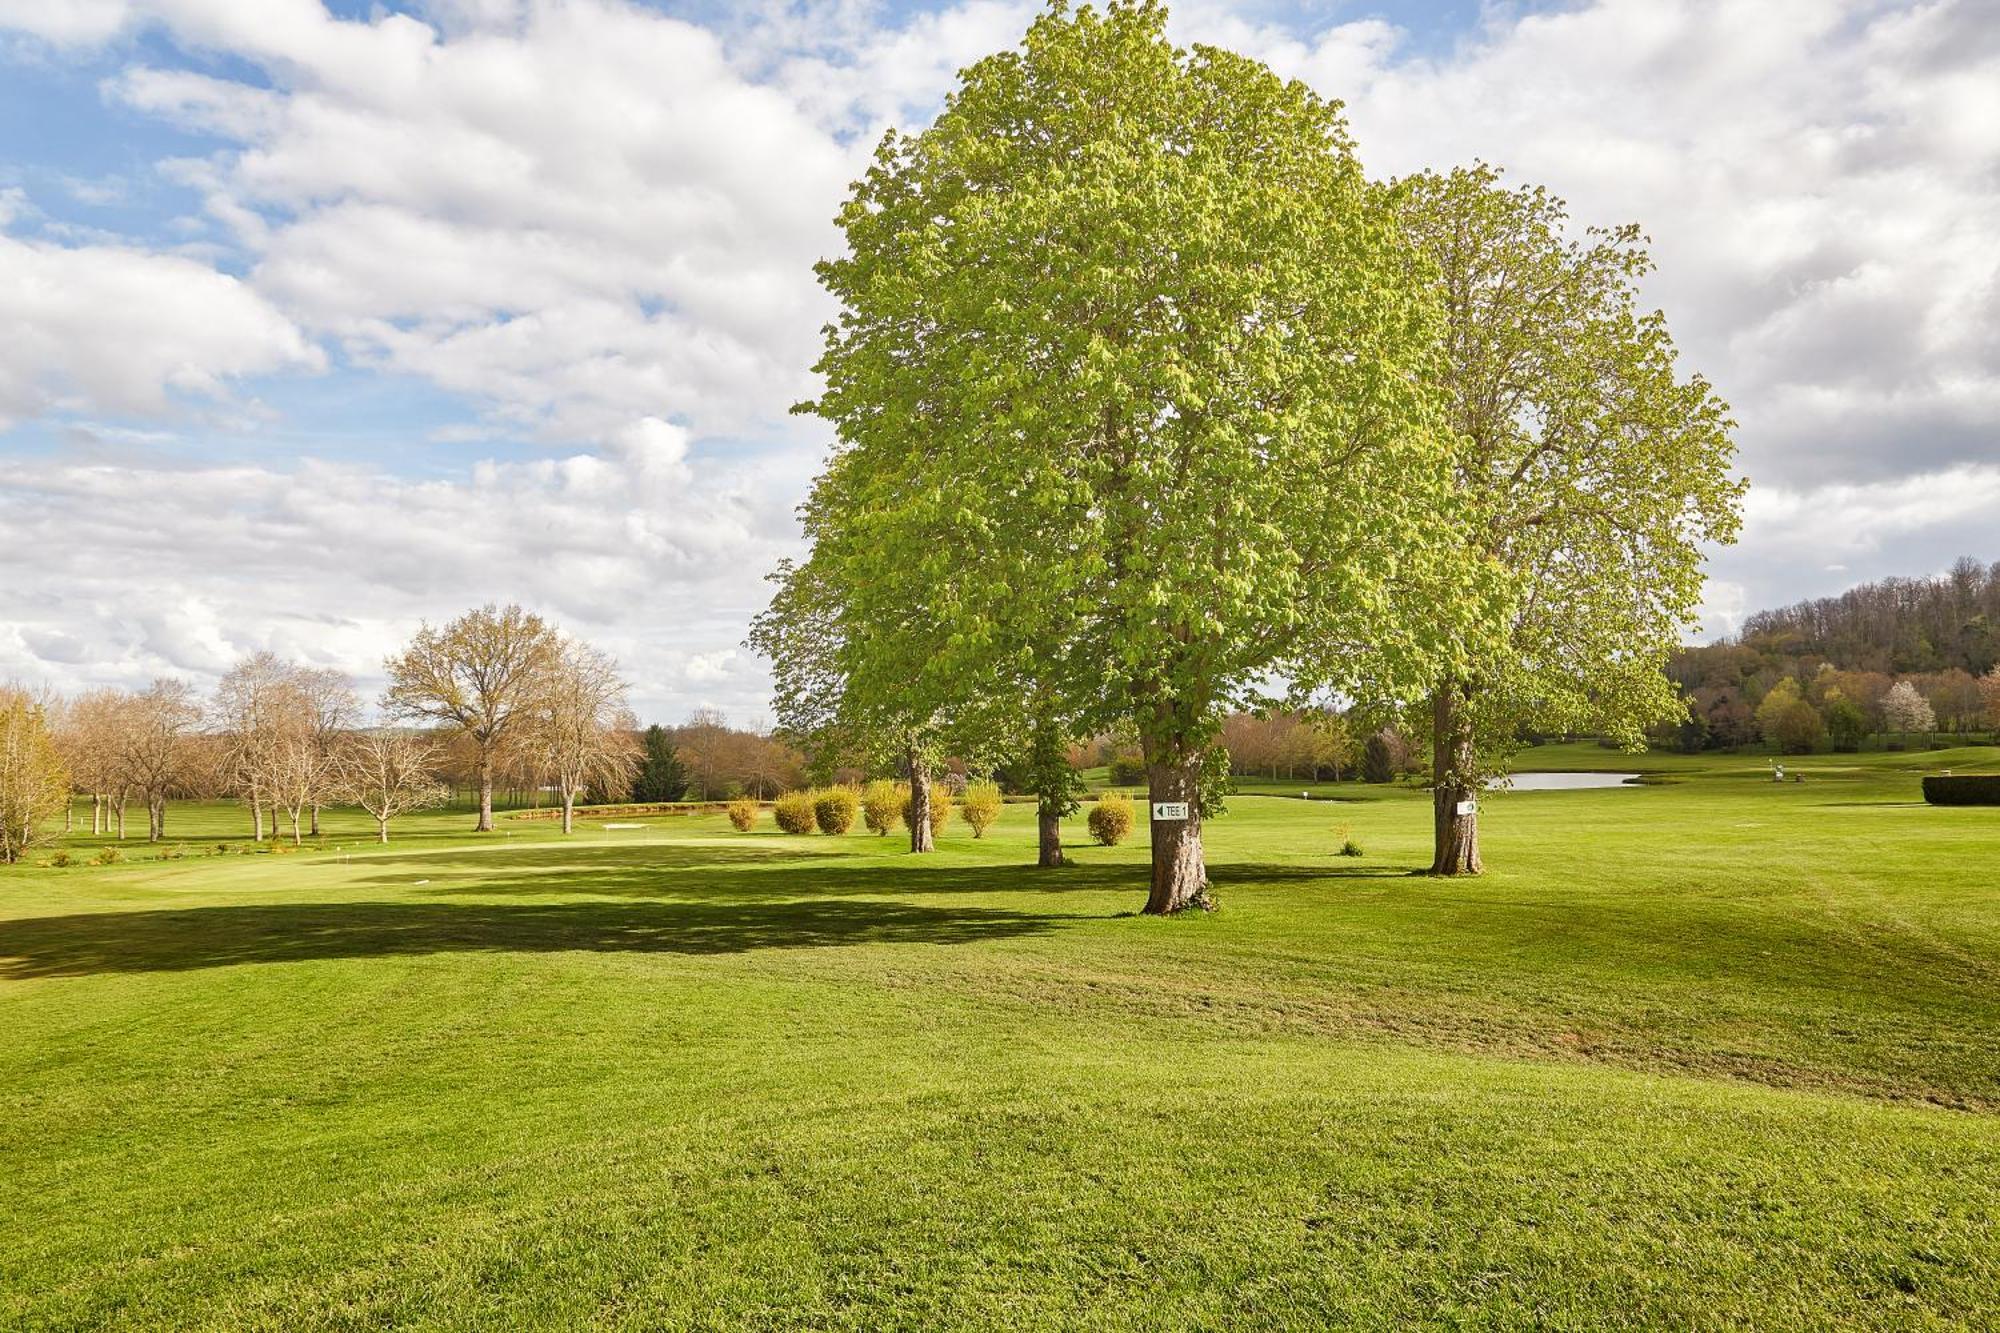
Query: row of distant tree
point(497, 698)
point(1895, 626)
point(1799, 712)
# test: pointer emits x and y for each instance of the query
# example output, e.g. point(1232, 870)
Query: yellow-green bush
point(1111, 818)
point(743, 814)
point(882, 803)
point(794, 812)
point(834, 809)
point(981, 806)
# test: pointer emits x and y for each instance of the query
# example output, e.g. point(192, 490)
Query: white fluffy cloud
point(640, 547)
point(104, 328)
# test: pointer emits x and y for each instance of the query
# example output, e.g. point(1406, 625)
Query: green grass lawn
point(1716, 1053)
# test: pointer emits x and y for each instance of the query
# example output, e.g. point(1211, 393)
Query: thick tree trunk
point(156, 819)
point(121, 820)
point(1048, 833)
point(256, 819)
point(274, 821)
point(1454, 836)
point(315, 821)
point(485, 824)
point(381, 830)
point(1180, 871)
point(920, 804)
point(569, 812)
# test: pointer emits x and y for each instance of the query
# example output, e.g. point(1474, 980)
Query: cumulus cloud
point(105, 329)
point(641, 548)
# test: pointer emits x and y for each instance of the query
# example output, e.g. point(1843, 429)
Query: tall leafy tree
point(1126, 333)
point(1596, 475)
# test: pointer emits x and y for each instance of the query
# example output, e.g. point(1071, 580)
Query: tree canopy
point(1132, 389)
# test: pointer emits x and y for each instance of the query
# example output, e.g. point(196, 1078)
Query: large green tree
point(1596, 473)
point(1131, 380)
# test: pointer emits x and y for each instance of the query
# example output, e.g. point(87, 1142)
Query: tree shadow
point(183, 940)
point(685, 873)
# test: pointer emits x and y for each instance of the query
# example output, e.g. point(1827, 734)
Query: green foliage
point(108, 856)
point(743, 814)
point(1126, 770)
point(795, 811)
point(1962, 789)
point(1846, 723)
point(1596, 474)
point(980, 806)
point(882, 803)
point(834, 809)
point(1130, 322)
point(661, 776)
point(61, 858)
point(1110, 819)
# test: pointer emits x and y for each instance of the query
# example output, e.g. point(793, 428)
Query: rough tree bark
point(920, 803)
point(1180, 871)
point(1048, 824)
point(485, 824)
point(256, 818)
point(1455, 837)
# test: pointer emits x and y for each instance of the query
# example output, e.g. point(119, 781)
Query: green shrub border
point(1963, 789)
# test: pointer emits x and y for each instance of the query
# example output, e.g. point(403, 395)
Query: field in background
point(1715, 1052)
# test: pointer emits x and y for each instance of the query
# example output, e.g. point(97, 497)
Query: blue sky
point(326, 318)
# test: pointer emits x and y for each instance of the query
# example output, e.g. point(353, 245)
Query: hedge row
point(627, 811)
point(1963, 789)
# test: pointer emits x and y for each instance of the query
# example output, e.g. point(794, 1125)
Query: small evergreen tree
point(662, 777)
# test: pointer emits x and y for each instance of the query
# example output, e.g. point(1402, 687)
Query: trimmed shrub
point(1963, 789)
point(882, 803)
point(794, 811)
point(1127, 770)
point(1111, 818)
point(834, 809)
point(60, 858)
point(743, 814)
point(981, 806)
point(108, 856)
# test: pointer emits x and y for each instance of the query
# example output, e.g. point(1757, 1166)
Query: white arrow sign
point(1170, 810)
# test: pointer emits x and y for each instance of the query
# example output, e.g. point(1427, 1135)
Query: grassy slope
point(1715, 1053)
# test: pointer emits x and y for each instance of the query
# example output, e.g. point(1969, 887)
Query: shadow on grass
point(174, 941)
point(684, 873)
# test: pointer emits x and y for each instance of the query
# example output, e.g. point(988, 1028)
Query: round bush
point(981, 806)
point(743, 814)
point(794, 812)
point(882, 803)
point(834, 809)
point(1111, 818)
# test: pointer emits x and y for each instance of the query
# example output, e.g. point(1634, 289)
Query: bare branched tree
point(479, 674)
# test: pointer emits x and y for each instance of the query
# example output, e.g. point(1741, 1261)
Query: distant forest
point(1838, 666)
